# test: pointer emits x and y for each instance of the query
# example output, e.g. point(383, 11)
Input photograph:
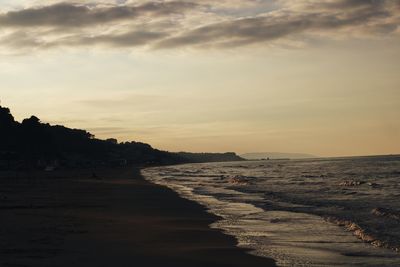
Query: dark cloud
point(260, 29)
point(70, 15)
point(154, 23)
point(353, 3)
point(129, 39)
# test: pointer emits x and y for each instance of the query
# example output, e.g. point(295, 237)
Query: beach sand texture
point(69, 218)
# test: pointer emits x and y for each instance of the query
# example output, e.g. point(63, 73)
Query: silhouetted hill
point(276, 155)
point(210, 157)
point(33, 144)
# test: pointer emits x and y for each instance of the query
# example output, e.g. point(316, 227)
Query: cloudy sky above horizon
point(307, 76)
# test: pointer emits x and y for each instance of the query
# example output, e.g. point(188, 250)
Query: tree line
point(34, 144)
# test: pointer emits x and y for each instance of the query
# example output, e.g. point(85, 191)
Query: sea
point(309, 212)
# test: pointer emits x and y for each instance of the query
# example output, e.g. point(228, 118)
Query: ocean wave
point(301, 213)
point(383, 212)
point(364, 234)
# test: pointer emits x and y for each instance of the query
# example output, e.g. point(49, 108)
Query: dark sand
point(117, 220)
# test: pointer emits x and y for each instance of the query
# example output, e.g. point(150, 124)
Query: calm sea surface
point(317, 212)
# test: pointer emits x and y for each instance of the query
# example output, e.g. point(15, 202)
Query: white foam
point(292, 239)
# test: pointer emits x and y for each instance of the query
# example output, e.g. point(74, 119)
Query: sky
point(318, 77)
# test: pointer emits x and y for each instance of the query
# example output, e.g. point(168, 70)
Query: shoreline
point(299, 213)
point(67, 218)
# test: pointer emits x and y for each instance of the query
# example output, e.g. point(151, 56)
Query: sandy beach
point(72, 218)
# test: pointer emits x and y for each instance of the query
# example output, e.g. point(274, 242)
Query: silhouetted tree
point(33, 141)
point(112, 141)
point(7, 129)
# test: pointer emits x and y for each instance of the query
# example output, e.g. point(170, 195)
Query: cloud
point(77, 15)
point(127, 101)
point(175, 24)
point(338, 15)
point(129, 39)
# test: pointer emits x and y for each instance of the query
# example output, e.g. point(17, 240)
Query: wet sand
point(117, 219)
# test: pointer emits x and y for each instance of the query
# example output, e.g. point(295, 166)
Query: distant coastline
point(276, 155)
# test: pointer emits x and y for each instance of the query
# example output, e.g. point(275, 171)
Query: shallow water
point(301, 212)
